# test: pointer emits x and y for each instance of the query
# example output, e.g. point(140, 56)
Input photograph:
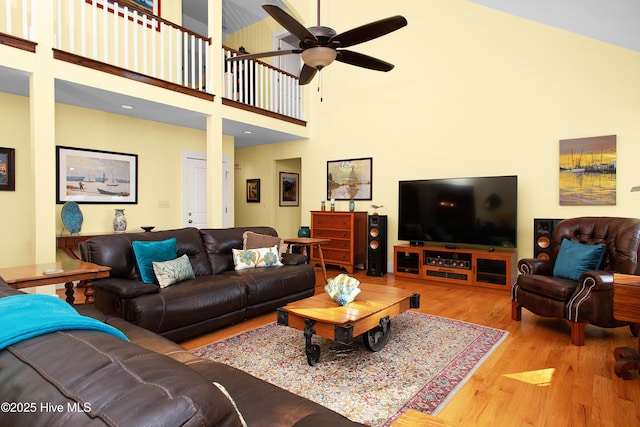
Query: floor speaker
point(542, 230)
point(377, 245)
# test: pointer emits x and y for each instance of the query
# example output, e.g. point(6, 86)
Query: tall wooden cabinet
point(348, 234)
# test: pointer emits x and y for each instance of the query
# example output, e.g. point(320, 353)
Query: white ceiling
point(611, 21)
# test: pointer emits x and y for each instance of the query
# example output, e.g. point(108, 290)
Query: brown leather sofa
point(588, 300)
point(217, 296)
point(91, 378)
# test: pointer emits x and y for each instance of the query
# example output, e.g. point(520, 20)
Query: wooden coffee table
point(369, 315)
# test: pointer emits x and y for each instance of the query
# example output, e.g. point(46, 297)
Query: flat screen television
point(478, 211)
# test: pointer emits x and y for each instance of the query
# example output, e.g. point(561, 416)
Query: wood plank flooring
point(535, 378)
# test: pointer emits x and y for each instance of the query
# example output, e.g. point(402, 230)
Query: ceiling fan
point(320, 46)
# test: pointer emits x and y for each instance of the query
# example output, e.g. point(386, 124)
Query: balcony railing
point(261, 85)
point(134, 40)
point(130, 39)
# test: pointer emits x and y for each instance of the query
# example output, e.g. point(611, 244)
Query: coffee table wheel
point(375, 339)
point(313, 354)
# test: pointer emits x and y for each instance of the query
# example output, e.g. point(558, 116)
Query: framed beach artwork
point(289, 189)
point(7, 169)
point(94, 176)
point(253, 191)
point(588, 171)
point(349, 179)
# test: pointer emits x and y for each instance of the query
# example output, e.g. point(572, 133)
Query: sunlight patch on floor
point(540, 377)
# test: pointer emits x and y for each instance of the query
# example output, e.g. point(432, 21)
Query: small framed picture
point(7, 169)
point(253, 191)
point(289, 189)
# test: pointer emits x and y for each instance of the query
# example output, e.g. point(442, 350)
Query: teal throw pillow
point(576, 258)
point(148, 252)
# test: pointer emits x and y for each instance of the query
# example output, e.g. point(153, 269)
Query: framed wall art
point(349, 179)
point(588, 171)
point(253, 191)
point(289, 189)
point(94, 176)
point(7, 169)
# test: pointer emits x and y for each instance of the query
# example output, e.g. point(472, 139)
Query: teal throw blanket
point(26, 316)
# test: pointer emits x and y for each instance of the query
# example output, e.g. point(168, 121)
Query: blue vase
point(304, 231)
point(352, 205)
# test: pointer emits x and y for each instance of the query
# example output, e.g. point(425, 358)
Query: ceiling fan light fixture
point(319, 57)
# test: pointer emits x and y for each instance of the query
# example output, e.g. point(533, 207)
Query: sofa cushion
point(576, 258)
point(110, 381)
point(148, 252)
point(219, 242)
point(254, 258)
point(173, 271)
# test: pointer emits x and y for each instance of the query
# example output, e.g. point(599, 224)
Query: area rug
point(426, 361)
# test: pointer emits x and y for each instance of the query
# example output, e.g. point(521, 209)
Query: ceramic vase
point(352, 205)
point(304, 231)
point(119, 221)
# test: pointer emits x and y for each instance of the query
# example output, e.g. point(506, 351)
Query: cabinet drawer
point(342, 222)
point(331, 234)
point(334, 255)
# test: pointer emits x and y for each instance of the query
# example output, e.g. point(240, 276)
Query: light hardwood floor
point(536, 377)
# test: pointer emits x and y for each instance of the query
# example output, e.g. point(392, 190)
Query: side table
point(626, 307)
point(28, 276)
point(308, 241)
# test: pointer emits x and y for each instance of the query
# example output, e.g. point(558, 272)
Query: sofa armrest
point(126, 288)
point(542, 267)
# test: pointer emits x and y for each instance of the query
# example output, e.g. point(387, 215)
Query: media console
point(477, 267)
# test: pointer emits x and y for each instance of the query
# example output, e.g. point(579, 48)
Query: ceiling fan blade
point(263, 54)
point(362, 60)
point(289, 23)
point(369, 31)
point(306, 74)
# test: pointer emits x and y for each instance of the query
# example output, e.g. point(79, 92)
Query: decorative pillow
point(576, 258)
point(147, 252)
point(252, 258)
point(173, 271)
point(251, 240)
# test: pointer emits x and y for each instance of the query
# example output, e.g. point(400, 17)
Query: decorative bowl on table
point(342, 288)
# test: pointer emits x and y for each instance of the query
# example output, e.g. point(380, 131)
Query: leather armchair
point(589, 300)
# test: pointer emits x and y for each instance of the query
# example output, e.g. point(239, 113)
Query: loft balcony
point(133, 43)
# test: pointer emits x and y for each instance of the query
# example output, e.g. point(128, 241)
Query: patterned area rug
point(426, 361)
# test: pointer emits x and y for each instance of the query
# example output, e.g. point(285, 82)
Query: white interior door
point(195, 191)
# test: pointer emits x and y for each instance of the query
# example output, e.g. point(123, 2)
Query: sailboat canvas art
point(94, 176)
point(588, 171)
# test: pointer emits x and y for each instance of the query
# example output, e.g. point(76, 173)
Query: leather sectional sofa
point(91, 378)
point(217, 296)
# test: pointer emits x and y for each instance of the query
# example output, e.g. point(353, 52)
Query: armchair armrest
point(126, 288)
point(597, 281)
point(542, 267)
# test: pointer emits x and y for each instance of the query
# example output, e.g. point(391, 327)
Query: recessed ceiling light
point(127, 107)
point(248, 132)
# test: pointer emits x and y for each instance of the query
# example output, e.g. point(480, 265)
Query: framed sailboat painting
point(95, 176)
point(588, 171)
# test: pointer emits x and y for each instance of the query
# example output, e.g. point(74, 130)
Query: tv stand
point(475, 267)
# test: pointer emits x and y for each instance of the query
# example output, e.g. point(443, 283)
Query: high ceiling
point(611, 21)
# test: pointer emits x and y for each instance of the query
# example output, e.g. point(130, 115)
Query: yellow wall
point(17, 207)
point(159, 148)
point(475, 92)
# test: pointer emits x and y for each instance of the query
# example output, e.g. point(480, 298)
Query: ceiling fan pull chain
point(320, 86)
